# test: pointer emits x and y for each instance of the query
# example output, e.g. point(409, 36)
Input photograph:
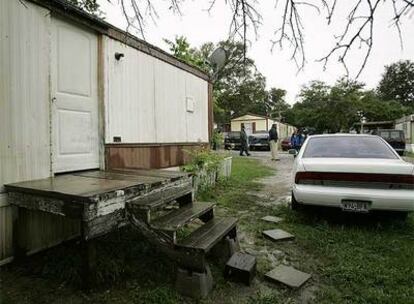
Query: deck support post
point(19, 253)
point(194, 284)
point(88, 251)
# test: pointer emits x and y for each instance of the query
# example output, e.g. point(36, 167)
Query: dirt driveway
point(275, 192)
point(279, 185)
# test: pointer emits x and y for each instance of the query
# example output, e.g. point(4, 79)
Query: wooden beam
point(101, 101)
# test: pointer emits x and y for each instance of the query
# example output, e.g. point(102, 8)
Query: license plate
point(355, 206)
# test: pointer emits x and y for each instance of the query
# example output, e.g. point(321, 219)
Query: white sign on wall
point(190, 104)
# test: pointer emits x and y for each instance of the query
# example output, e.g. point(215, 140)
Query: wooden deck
point(157, 203)
point(98, 198)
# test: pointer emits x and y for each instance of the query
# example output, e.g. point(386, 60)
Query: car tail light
point(319, 177)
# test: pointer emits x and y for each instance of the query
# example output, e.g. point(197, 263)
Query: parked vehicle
point(259, 141)
point(286, 144)
point(232, 140)
point(358, 173)
point(394, 137)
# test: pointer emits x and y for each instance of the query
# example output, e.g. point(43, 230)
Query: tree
point(356, 33)
point(90, 6)
point(312, 107)
point(337, 108)
point(181, 49)
point(277, 105)
point(375, 109)
point(397, 83)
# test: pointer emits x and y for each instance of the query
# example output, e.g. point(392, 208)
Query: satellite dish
point(218, 58)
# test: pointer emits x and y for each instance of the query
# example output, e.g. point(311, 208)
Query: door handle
point(53, 99)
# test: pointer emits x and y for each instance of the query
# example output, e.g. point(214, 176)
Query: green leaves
point(397, 83)
point(337, 108)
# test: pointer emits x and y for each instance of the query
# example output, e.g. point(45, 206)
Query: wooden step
point(157, 198)
point(179, 217)
point(208, 235)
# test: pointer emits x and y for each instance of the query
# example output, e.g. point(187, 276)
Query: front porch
point(158, 203)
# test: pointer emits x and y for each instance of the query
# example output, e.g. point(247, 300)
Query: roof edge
point(67, 10)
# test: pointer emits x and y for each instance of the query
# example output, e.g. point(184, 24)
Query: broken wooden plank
point(69, 208)
point(157, 197)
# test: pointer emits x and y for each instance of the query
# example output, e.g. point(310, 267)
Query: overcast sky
point(199, 26)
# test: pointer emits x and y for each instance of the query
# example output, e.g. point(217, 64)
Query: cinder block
point(241, 268)
point(194, 284)
point(225, 249)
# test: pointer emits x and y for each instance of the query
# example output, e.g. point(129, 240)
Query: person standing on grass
point(244, 145)
point(273, 138)
point(297, 140)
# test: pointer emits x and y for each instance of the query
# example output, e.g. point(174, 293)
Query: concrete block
point(225, 249)
point(288, 276)
point(278, 235)
point(241, 268)
point(194, 284)
point(272, 219)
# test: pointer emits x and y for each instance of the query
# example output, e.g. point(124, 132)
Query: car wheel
point(294, 203)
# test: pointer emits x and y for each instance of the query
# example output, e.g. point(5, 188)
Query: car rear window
point(396, 135)
point(348, 147)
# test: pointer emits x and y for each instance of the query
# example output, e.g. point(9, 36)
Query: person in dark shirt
point(244, 145)
point(273, 138)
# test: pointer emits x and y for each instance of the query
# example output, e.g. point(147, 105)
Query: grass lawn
point(353, 259)
point(361, 259)
point(409, 154)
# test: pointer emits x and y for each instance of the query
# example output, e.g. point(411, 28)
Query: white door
point(74, 69)
point(248, 128)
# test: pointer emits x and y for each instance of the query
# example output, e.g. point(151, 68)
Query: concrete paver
point(288, 276)
point(272, 219)
point(278, 235)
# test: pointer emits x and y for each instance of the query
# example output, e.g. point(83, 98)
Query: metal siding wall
point(170, 103)
point(24, 123)
point(129, 94)
point(39, 230)
point(24, 92)
point(197, 121)
point(146, 99)
point(6, 230)
point(24, 103)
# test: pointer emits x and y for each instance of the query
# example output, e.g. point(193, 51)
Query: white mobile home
point(407, 125)
point(257, 123)
point(77, 93)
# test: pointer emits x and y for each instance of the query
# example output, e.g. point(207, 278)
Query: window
point(348, 147)
point(395, 135)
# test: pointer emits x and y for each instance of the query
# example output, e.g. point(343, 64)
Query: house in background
point(76, 93)
point(257, 123)
point(407, 125)
point(253, 123)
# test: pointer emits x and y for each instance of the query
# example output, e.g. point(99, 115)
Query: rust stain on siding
point(147, 156)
